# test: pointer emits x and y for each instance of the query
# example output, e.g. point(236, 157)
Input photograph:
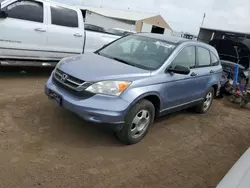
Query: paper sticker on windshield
point(164, 44)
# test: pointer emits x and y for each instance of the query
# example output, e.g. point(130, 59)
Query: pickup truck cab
point(35, 30)
point(41, 32)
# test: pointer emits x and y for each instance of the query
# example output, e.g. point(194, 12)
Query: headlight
point(109, 87)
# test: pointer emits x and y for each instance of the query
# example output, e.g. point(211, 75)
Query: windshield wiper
point(123, 61)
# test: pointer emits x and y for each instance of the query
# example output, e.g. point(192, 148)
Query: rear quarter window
point(214, 60)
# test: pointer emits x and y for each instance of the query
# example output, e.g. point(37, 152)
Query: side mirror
point(3, 14)
point(179, 70)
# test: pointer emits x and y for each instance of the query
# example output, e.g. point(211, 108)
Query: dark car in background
point(235, 52)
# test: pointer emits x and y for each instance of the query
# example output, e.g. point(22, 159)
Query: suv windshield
point(139, 51)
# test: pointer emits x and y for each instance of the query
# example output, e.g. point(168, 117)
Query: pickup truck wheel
point(137, 122)
point(207, 102)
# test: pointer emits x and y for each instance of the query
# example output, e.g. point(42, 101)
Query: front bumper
point(108, 110)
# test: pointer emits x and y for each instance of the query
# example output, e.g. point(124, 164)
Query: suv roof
point(177, 40)
point(172, 39)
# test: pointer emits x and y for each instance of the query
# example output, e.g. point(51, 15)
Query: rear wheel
point(207, 102)
point(137, 122)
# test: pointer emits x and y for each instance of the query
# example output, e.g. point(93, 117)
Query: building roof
point(226, 31)
point(119, 14)
point(158, 21)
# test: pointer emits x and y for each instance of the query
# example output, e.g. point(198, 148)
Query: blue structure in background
point(236, 73)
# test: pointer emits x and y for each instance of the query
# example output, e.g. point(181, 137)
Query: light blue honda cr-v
point(131, 81)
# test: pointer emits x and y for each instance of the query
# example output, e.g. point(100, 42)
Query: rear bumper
point(102, 109)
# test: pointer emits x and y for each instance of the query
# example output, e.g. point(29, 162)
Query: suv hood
point(93, 67)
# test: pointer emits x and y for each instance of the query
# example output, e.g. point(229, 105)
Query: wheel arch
point(153, 97)
point(215, 86)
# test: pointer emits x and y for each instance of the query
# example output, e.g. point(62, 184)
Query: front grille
point(71, 84)
point(68, 80)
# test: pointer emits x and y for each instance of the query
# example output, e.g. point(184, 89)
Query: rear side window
point(214, 60)
point(64, 17)
point(26, 10)
point(185, 58)
point(203, 57)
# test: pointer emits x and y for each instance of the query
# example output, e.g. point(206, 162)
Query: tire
point(220, 96)
point(232, 99)
point(208, 100)
point(243, 103)
point(137, 122)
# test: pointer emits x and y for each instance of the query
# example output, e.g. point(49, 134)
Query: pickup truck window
point(139, 51)
point(26, 10)
point(63, 17)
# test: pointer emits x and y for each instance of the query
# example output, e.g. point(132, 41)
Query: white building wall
point(176, 34)
point(167, 32)
point(105, 22)
point(146, 27)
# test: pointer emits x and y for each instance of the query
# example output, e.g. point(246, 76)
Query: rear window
point(64, 17)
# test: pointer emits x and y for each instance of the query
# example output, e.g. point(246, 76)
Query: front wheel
point(137, 122)
point(207, 102)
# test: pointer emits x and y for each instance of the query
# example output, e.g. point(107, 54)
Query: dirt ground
point(42, 145)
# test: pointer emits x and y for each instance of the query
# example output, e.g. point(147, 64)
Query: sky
point(186, 15)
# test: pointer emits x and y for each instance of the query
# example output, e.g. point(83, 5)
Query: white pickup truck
point(239, 175)
point(41, 32)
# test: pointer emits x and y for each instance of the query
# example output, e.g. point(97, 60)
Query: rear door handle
point(193, 74)
point(77, 35)
point(40, 30)
point(211, 72)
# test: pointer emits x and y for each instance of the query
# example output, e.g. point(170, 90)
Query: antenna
point(204, 16)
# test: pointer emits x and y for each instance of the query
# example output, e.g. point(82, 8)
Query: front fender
point(144, 96)
point(136, 94)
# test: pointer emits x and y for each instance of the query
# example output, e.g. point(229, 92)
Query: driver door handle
point(193, 74)
point(211, 72)
point(77, 35)
point(40, 30)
